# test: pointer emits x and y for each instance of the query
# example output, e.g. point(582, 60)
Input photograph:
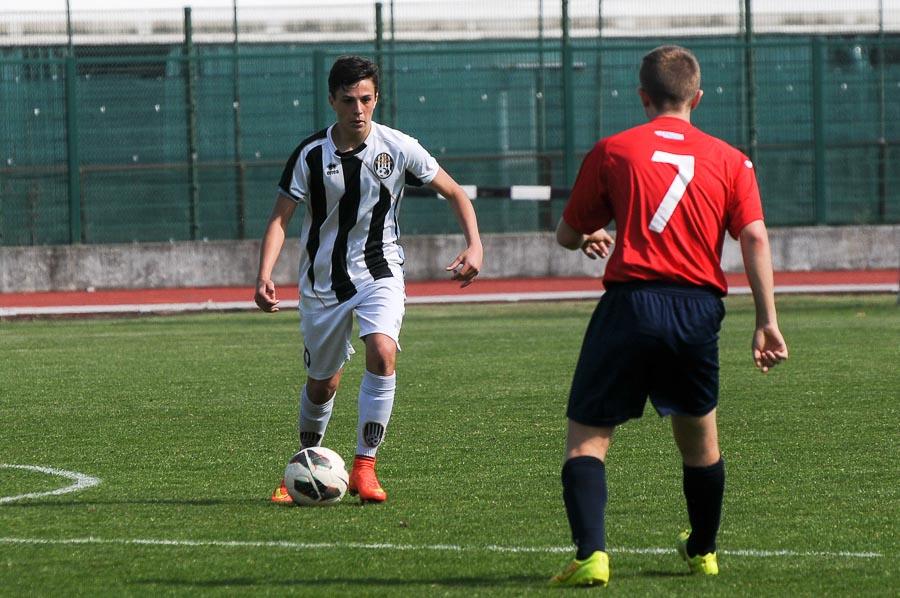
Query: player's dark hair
point(349, 70)
point(670, 75)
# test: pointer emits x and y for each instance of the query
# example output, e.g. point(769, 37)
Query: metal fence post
point(392, 72)
point(320, 88)
point(191, 107)
point(239, 185)
point(818, 113)
point(379, 52)
point(750, 91)
point(882, 132)
point(568, 99)
point(74, 163)
point(544, 165)
point(70, 44)
point(544, 171)
point(598, 96)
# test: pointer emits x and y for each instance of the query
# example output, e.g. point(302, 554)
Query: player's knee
point(381, 354)
point(320, 391)
point(697, 439)
point(381, 365)
point(703, 452)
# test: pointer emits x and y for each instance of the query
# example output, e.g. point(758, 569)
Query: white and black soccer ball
point(316, 476)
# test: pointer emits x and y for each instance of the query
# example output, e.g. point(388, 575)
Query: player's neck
point(653, 114)
point(680, 116)
point(345, 141)
point(682, 112)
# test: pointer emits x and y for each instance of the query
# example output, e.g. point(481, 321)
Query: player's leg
point(316, 405)
point(697, 439)
point(326, 348)
point(608, 388)
point(704, 488)
point(688, 390)
point(376, 393)
point(584, 485)
point(326, 333)
point(584, 496)
point(380, 315)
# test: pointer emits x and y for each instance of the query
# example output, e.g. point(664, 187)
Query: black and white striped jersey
point(350, 232)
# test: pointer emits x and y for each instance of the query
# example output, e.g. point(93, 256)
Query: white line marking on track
point(81, 481)
point(161, 308)
point(413, 547)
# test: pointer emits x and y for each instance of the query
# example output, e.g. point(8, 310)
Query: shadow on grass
point(532, 581)
point(195, 502)
point(264, 502)
point(500, 581)
point(660, 574)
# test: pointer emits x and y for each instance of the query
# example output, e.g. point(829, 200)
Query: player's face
point(354, 106)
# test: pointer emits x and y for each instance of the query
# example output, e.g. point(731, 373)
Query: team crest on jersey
point(384, 165)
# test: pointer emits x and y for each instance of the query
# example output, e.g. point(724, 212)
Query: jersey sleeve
point(588, 209)
point(421, 167)
point(294, 177)
point(745, 205)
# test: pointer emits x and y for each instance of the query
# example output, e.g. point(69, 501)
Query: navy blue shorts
point(648, 339)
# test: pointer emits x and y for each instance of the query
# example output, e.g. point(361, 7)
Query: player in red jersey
point(673, 191)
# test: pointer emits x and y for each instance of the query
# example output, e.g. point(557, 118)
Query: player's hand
point(467, 265)
point(265, 296)
point(769, 348)
point(597, 244)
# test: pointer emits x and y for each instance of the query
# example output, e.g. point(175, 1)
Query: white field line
point(135, 308)
point(160, 308)
point(409, 547)
point(81, 482)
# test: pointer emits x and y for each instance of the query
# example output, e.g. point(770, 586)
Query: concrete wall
point(234, 263)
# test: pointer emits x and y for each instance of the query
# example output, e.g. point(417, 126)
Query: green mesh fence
point(826, 112)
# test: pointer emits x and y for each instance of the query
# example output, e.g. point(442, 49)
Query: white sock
point(312, 420)
point(376, 401)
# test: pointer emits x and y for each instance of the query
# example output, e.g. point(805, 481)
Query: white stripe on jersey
point(341, 249)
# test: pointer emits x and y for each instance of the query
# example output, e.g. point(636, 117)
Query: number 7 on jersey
point(685, 165)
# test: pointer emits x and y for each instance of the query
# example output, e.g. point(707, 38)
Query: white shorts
point(379, 307)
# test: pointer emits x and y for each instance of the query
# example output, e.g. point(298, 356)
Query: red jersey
point(673, 190)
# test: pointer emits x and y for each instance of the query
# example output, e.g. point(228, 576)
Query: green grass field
point(187, 421)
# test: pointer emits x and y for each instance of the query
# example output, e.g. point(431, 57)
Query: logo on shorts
point(384, 165)
point(306, 358)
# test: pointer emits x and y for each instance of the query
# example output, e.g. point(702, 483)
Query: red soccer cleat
point(364, 482)
point(281, 496)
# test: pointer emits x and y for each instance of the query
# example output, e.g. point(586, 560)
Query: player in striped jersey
point(351, 177)
point(673, 192)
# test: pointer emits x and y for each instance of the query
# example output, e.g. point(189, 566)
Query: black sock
point(704, 488)
point(584, 493)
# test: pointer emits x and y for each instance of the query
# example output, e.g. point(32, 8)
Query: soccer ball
point(316, 476)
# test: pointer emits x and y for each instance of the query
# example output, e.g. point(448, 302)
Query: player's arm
point(272, 242)
point(594, 245)
point(586, 210)
point(467, 264)
point(768, 346)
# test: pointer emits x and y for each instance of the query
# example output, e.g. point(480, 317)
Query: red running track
point(834, 281)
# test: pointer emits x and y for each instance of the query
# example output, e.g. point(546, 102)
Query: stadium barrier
point(513, 255)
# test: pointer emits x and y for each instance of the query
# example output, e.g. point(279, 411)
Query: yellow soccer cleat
point(592, 571)
point(280, 495)
point(701, 564)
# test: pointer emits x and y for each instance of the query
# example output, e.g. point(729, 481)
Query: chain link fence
point(171, 125)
